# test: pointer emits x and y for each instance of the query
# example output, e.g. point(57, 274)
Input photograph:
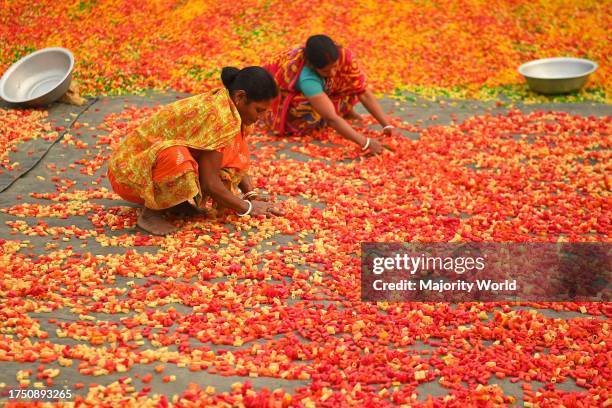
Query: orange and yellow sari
point(291, 112)
point(156, 164)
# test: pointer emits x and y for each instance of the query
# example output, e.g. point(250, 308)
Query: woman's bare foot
point(154, 222)
point(353, 116)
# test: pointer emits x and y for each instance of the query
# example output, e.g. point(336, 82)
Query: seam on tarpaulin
point(91, 103)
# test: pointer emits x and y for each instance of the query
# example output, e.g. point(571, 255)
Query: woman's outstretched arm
point(370, 102)
point(324, 106)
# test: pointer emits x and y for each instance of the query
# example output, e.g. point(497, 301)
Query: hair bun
point(256, 82)
point(228, 74)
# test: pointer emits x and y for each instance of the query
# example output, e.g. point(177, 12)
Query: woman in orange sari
point(194, 149)
point(319, 85)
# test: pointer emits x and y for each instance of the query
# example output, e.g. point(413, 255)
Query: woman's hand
point(264, 208)
point(390, 130)
point(375, 147)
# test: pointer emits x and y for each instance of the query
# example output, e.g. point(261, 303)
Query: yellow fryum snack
point(72, 96)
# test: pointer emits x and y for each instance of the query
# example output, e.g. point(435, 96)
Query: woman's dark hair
point(321, 51)
point(258, 84)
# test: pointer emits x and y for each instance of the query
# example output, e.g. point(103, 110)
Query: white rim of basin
point(26, 58)
point(593, 66)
